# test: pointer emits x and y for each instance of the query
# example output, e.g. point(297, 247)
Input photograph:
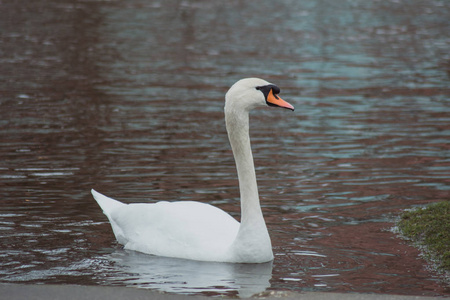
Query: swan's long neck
point(237, 123)
point(252, 242)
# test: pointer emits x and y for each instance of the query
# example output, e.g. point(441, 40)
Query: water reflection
point(189, 277)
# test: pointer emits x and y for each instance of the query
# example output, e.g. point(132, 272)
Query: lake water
point(127, 97)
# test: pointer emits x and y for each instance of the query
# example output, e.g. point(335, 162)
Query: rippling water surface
point(127, 97)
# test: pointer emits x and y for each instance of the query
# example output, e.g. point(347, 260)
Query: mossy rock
point(429, 227)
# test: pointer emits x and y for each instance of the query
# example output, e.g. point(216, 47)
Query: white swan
point(198, 231)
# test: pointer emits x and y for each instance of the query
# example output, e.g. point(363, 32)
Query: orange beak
point(274, 100)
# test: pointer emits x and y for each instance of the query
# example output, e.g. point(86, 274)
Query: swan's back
point(183, 229)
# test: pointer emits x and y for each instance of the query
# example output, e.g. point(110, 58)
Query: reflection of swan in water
point(188, 276)
point(199, 231)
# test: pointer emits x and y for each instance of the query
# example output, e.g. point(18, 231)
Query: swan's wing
point(182, 229)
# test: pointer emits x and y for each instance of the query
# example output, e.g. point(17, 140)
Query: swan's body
point(198, 231)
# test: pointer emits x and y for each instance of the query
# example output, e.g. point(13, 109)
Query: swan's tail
point(107, 204)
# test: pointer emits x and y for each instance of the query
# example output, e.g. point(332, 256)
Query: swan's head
point(249, 93)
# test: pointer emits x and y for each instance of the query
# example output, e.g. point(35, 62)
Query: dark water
point(127, 97)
